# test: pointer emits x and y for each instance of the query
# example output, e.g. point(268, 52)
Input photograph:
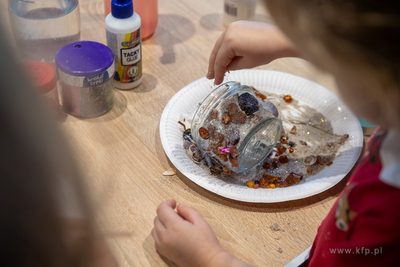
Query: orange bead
point(329, 163)
point(283, 159)
point(281, 149)
point(284, 139)
point(288, 98)
point(262, 182)
point(266, 165)
point(250, 184)
point(291, 150)
point(204, 133)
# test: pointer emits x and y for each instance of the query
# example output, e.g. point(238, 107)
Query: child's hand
point(247, 44)
point(184, 237)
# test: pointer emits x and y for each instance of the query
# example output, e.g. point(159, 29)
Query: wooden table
point(122, 158)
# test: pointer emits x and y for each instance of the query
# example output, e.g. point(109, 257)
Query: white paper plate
point(185, 102)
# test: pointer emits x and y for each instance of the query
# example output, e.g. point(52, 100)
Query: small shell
point(310, 160)
point(194, 154)
point(169, 172)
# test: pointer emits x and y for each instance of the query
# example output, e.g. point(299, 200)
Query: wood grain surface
point(121, 156)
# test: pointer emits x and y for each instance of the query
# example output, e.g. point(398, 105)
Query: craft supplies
point(235, 10)
point(85, 71)
point(148, 12)
point(41, 28)
point(123, 27)
point(43, 77)
point(234, 128)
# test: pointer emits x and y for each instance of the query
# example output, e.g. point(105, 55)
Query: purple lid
point(84, 58)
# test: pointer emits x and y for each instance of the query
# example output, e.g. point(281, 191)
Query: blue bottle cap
point(122, 9)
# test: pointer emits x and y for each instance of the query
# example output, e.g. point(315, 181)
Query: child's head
point(356, 41)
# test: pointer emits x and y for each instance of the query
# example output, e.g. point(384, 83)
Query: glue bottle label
point(127, 49)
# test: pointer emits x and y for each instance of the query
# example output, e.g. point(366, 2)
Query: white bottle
point(125, 40)
point(238, 10)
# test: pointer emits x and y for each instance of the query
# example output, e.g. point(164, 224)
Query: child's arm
point(246, 44)
point(185, 238)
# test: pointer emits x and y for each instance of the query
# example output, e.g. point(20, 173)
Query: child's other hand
point(184, 237)
point(246, 44)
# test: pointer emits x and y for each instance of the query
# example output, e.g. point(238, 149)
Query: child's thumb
point(189, 214)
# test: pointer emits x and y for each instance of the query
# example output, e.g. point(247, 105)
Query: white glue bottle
point(125, 41)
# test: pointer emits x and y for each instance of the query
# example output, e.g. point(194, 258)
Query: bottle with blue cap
point(123, 28)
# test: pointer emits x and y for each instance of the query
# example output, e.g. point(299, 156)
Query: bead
point(283, 159)
point(259, 95)
point(303, 143)
point(262, 182)
point(204, 133)
point(250, 184)
point(288, 98)
point(291, 150)
point(270, 178)
point(281, 149)
point(266, 165)
point(284, 139)
point(329, 163)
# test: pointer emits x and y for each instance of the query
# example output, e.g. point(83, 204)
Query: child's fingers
point(223, 59)
point(158, 225)
point(189, 214)
point(213, 56)
point(166, 213)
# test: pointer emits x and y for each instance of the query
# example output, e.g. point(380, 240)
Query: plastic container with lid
point(43, 77)
point(85, 71)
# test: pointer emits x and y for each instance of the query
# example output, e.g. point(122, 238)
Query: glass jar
point(42, 27)
point(220, 122)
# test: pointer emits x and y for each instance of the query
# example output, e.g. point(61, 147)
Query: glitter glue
point(85, 73)
point(123, 30)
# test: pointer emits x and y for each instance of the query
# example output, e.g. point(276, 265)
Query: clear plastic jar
point(42, 27)
point(221, 117)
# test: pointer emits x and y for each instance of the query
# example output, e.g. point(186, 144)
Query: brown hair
point(34, 158)
point(362, 34)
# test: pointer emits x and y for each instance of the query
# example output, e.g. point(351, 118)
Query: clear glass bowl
point(258, 134)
